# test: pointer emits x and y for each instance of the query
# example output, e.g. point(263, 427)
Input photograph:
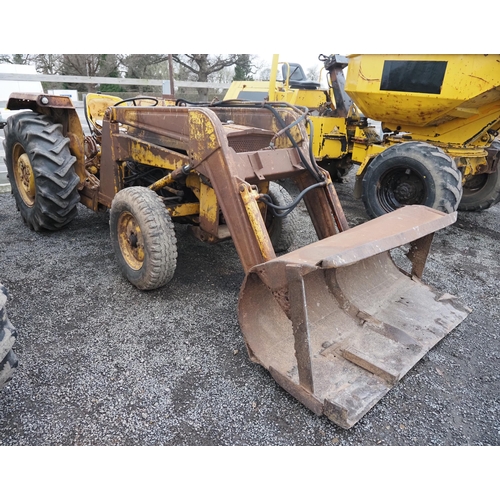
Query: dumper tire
point(482, 191)
point(41, 171)
point(282, 230)
point(411, 173)
point(143, 238)
point(8, 336)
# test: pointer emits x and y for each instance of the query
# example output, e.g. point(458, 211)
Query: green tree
point(244, 69)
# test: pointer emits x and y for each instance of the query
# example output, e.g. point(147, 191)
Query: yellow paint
point(209, 206)
point(184, 210)
point(249, 197)
point(470, 89)
point(193, 183)
point(96, 106)
point(202, 134)
point(330, 137)
point(130, 240)
point(141, 152)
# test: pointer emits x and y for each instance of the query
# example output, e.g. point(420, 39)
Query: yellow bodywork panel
point(312, 99)
point(259, 91)
point(250, 91)
point(149, 154)
point(453, 94)
point(184, 210)
point(329, 137)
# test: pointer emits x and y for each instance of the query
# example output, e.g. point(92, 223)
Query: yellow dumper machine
point(439, 114)
point(336, 322)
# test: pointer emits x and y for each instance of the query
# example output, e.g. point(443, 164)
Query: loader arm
point(233, 160)
point(336, 323)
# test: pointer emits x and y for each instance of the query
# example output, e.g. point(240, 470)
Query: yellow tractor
point(439, 116)
point(336, 323)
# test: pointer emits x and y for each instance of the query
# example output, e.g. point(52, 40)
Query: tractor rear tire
point(411, 173)
point(143, 238)
point(8, 335)
point(282, 230)
point(41, 171)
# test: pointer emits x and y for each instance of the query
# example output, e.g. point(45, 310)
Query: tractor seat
point(95, 106)
point(298, 79)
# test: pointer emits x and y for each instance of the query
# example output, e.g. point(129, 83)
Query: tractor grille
point(243, 144)
point(243, 138)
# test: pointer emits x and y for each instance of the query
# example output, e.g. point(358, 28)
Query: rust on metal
point(365, 322)
point(336, 323)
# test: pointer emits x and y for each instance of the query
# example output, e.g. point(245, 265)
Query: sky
point(306, 59)
point(257, 28)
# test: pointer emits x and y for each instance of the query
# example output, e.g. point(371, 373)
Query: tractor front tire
point(411, 173)
point(143, 238)
point(282, 230)
point(41, 171)
point(8, 335)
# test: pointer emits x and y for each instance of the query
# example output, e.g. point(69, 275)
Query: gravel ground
point(102, 363)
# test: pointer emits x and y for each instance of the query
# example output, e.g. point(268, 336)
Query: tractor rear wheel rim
point(131, 240)
point(24, 176)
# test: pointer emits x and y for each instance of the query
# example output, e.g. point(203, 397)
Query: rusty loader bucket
point(338, 324)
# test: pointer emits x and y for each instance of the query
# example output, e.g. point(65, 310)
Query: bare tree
point(145, 66)
point(89, 65)
point(202, 66)
point(16, 58)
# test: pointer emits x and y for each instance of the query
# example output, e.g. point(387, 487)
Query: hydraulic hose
point(283, 211)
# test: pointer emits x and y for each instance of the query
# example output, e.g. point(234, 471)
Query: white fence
point(164, 84)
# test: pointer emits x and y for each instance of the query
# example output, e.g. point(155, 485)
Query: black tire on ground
point(282, 230)
point(411, 173)
point(8, 335)
point(483, 191)
point(41, 171)
point(143, 238)
point(338, 169)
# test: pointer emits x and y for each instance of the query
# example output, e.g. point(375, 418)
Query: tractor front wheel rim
point(131, 240)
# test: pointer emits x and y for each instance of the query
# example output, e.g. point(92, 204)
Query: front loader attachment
point(337, 323)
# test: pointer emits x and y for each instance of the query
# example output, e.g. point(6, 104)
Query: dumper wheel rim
point(8, 335)
point(143, 238)
point(481, 192)
point(408, 174)
point(42, 171)
point(282, 230)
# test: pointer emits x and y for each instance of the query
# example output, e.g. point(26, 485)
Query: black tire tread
point(56, 182)
point(8, 336)
point(158, 233)
point(446, 177)
point(282, 230)
point(489, 194)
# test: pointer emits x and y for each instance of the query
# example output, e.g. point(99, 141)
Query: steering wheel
point(133, 99)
